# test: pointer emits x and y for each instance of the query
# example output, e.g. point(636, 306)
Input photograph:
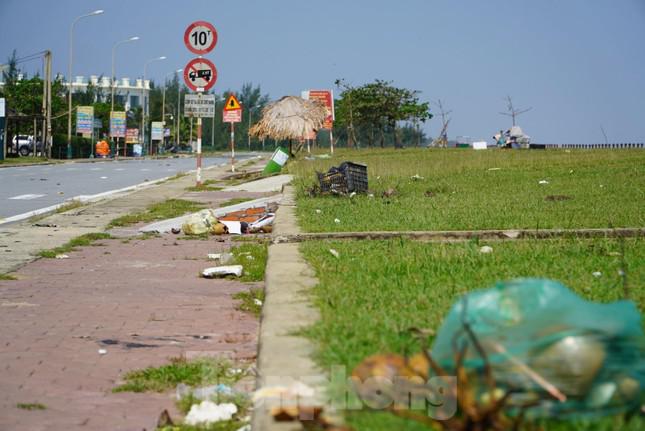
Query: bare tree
point(512, 111)
point(442, 139)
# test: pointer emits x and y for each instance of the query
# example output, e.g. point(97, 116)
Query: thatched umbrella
point(290, 118)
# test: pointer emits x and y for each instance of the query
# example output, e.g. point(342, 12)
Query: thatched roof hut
point(290, 118)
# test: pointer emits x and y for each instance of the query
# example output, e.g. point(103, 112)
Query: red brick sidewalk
point(57, 316)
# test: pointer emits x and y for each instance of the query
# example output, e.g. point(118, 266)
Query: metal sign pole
point(232, 147)
point(198, 181)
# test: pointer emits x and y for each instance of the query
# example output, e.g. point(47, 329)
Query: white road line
point(119, 169)
point(27, 197)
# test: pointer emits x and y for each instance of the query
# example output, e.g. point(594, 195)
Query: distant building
point(126, 92)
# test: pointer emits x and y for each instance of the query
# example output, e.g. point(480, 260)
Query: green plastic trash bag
point(568, 356)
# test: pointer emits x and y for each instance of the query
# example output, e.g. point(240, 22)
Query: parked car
point(24, 145)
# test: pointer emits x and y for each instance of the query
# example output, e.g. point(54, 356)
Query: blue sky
point(579, 64)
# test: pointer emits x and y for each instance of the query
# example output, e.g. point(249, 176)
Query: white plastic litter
point(62, 256)
point(318, 211)
point(221, 271)
point(234, 227)
point(336, 221)
point(486, 249)
point(208, 412)
point(102, 352)
point(543, 182)
point(221, 258)
point(257, 302)
point(334, 253)
point(264, 221)
point(416, 177)
point(596, 274)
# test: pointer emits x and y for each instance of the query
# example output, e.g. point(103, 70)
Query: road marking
point(27, 197)
point(145, 170)
point(119, 169)
point(104, 178)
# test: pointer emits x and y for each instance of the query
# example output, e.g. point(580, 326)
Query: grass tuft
point(74, 243)
point(253, 257)
point(163, 210)
point(199, 372)
point(248, 301)
point(31, 406)
point(6, 277)
point(206, 186)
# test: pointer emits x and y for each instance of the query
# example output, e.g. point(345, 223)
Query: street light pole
point(69, 80)
point(163, 105)
point(131, 39)
point(144, 104)
point(220, 98)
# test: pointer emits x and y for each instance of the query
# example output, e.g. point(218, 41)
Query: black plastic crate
point(347, 178)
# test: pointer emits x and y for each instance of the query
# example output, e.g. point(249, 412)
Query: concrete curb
point(284, 359)
point(464, 235)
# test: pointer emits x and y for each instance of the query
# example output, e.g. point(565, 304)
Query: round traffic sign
point(200, 37)
point(200, 74)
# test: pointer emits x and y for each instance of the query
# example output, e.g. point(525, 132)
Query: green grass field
point(492, 189)
point(375, 290)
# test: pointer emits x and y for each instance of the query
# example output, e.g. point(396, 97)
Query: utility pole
point(47, 106)
point(512, 111)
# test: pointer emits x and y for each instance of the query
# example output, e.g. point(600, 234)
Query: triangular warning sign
point(232, 104)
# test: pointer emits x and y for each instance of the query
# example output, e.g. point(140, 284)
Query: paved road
point(28, 188)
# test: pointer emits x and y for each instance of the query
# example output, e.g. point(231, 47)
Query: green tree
point(376, 109)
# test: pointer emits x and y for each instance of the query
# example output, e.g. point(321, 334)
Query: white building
point(126, 92)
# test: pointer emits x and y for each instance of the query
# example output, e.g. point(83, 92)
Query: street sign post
point(196, 105)
point(325, 98)
point(200, 37)
point(200, 75)
point(2, 114)
point(117, 129)
point(232, 114)
point(84, 120)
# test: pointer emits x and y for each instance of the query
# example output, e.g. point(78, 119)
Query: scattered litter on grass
point(257, 302)
point(352, 194)
point(222, 258)
point(208, 412)
point(371, 195)
point(318, 211)
point(494, 169)
point(346, 178)
point(596, 274)
point(543, 182)
point(602, 186)
point(417, 177)
point(62, 256)
point(486, 249)
point(203, 393)
point(389, 192)
point(512, 234)
point(527, 345)
point(102, 352)
point(223, 271)
point(571, 171)
point(334, 253)
point(337, 221)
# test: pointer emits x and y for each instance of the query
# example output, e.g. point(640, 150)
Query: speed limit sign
point(200, 37)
